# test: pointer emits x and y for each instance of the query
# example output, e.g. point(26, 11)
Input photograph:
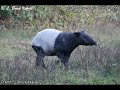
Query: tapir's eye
point(86, 37)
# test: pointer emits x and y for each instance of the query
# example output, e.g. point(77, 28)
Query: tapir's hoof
point(45, 67)
point(40, 66)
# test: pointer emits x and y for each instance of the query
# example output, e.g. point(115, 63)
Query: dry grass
point(88, 65)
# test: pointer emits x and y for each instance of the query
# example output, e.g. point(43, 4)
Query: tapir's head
point(85, 39)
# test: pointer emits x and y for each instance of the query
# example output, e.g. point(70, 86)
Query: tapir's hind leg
point(40, 56)
point(39, 60)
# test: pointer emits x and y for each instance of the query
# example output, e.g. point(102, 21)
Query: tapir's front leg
point(64, 60)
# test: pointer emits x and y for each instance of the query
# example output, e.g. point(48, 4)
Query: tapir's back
point(46, 39)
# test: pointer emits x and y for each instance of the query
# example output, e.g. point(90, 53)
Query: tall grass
point(94, 65)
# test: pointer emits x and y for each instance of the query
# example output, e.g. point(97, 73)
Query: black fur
point(65, 43)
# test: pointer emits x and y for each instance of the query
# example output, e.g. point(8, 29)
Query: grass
point(97, 65)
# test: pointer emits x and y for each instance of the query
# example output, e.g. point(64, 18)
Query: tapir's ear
point(77, 34)
point(81, 33)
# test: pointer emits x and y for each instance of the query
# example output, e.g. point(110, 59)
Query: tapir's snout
point(95, 43)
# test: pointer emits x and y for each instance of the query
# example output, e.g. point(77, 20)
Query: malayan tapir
point(52, 42)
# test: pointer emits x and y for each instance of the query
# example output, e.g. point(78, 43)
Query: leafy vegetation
point(97, 65)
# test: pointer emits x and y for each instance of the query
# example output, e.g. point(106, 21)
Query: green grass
point(97, 65)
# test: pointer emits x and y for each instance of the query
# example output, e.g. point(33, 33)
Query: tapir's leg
point(40, 56)
point(64, 60)
point(39, 60)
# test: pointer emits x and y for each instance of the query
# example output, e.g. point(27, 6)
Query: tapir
point(52, 42)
